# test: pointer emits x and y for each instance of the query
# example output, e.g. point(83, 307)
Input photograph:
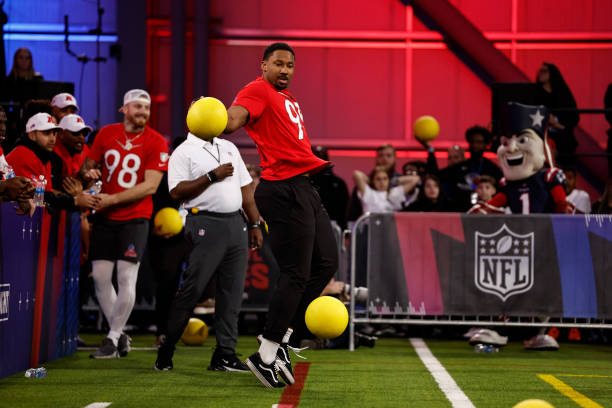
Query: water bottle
point(95, 188)
point(39, 192)
point(485, 348)
point(7, 171)
point(40, 372)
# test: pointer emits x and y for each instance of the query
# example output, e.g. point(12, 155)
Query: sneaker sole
point(223, 368)
point(284, 372)
point(115, 355)
point(255, 371)
point(161, 369)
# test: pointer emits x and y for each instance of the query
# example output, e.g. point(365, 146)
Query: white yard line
point(449, 387)
point(98, 405)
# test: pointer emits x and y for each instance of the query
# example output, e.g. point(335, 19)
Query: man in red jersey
point(71, 148)
point(300, 230)
point(133, 158)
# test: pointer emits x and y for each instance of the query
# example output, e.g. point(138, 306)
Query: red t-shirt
point(276, 125)
point(25, 163)
point(71, 163)
point(124, 164)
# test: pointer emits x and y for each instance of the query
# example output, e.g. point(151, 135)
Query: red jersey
point(124, 158)
point(25, 163)
point(71, 163)
point(276, 125)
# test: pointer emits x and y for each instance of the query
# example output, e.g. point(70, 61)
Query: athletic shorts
point(113, 240)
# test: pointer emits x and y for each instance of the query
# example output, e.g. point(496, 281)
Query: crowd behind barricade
point(56, 163)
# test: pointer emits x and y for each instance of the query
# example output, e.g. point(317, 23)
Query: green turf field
point(389, 375)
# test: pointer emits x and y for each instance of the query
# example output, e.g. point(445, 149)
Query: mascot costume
point(531, 183)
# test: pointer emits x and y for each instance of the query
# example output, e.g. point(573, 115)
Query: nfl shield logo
point(503, 262)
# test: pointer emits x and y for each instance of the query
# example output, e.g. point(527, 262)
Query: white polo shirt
point(194, 158)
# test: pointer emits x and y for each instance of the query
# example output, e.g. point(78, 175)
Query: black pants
point(219, 244)
point(304, 246)
point(166, 257)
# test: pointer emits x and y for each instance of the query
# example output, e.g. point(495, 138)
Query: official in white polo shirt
point(213, 183)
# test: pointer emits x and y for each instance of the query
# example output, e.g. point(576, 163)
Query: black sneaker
point(266, 373)
point(226, 362)
point(283, 363)
point(123, 345)
point(164, 359)
point(106, 350)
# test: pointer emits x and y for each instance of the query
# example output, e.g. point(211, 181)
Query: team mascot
point(528, 186)
point(531, 183)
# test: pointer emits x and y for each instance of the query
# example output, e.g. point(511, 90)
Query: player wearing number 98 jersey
point(132, 158)
point(125, 157)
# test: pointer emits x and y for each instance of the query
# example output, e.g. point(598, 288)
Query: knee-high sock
point(127, 274)
point(102, 271)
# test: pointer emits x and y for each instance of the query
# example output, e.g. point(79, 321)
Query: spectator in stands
point(23, 66)
point(554, 93)
point(332, 189)
point(71, 147)
point(486, 187)
point(64, 104)
point(430, 198)
point(457, 180)
point(604, 204)
point(608, 115)
point(385, 158)
point(32, 159)
point(377, 195)
point(579, 198)
point(456, 154)
point(411, 169)
point(133, 158)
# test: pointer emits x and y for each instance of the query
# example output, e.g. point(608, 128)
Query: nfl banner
point(513, 265)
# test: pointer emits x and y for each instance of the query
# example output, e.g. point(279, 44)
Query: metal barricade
point(482, 270)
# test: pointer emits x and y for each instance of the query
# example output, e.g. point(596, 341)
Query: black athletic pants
point(219, 243)
point(304, 246)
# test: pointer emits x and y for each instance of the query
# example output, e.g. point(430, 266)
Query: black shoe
point(283, 363)
point(226, 362)
point(164, 359)
point(106, 350)
point(123, 345)
point(266, 373)
point(365, 340)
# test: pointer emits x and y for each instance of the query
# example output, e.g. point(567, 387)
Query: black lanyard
point(218, 159)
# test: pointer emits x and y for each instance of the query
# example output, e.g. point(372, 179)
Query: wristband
point(431, 149)
point(212, 177)
point(256, 224)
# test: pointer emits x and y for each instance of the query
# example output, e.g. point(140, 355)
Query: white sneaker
point(542, 342)
point(487, 336)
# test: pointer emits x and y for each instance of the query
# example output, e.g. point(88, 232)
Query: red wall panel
point(362, 90)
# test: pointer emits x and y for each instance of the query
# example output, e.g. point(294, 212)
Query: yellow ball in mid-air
point(426, 128)
point(195, 332)
point(168, 221)
point(533, 403)
point(326, 317)
point(207, 118)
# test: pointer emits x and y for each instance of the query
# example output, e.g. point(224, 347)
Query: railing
point(477, 270)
